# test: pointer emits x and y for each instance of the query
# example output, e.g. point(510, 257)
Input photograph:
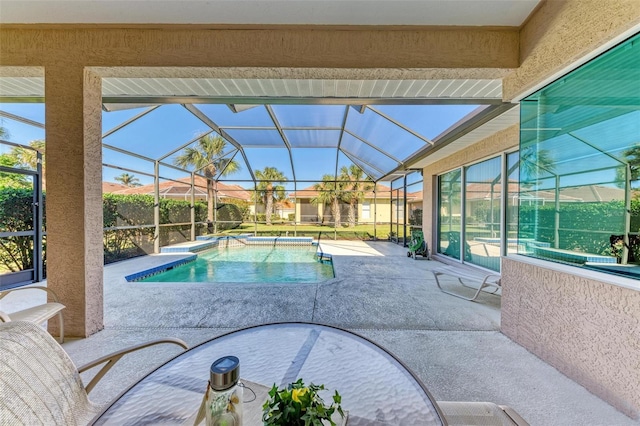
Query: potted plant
point(300, 405)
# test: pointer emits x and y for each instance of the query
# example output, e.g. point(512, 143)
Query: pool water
point(251, 264)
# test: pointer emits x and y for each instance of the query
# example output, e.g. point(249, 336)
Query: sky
point(171, 126)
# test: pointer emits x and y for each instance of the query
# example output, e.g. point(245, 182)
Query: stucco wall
point(561, 32)
point(587, 329)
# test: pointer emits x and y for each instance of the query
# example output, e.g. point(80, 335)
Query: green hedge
point(137, 210)
point(581, 222)
point(118, 211)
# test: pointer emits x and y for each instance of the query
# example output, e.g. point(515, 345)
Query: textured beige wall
point(587, 329)
point(505, 140)
point(316, 47)
point(74, 196)
point(560, 32)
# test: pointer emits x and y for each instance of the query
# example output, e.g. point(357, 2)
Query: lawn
point(359, 232)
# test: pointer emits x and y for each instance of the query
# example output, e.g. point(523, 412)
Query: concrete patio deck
point(454, 346)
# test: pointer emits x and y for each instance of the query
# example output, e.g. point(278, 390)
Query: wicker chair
point(38, 314)
point(39, 382)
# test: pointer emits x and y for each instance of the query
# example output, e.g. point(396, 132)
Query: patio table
point(376, 388)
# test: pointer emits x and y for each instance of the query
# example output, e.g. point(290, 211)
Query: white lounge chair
point(37, 314)
point(39, 382)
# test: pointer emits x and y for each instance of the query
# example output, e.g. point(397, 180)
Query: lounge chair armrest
point(54, 296)
point(111, 359)
point(515, 417)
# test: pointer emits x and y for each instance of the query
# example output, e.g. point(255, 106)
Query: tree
point(355, 188)
point(13, 180)
point(631, 157)
point(533, 163)
point(128, 180)
point(207, 156)
point(330, 192)
point(3, 132)
point(267, 192)
point(28, 158)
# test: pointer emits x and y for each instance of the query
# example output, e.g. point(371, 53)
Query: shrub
point(230, 215)
point(16, 214)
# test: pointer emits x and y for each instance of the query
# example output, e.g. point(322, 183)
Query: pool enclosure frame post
point(404, 212)
point(375, 210)
point(38, 214)
point(504, 194)
point(295, 209)
point(193, 206)
point(156, 206)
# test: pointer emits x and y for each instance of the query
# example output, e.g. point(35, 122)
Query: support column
point(74, 195)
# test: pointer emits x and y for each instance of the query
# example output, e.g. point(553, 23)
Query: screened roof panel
point(116, 158)
point(112, 119)
point(310, 115)
point(318, 161)
point(257, 138)
point(223, 116)
point(158, 132)
point(20, 132)
point(313, 138)
point(220, 161)
point(31, 111)
point(259, 158)
point(384, 134)
point(367, 155)
point(426, 120)
point(572, 157)
point(345, 161)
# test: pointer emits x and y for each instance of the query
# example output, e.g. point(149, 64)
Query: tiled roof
point(182, 189)
point(108, 187)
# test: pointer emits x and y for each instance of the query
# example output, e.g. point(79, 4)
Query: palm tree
point(28, 158)
point(631, 156)
point(207, 157)
point(330, 192)
point(533, 163)
point(3, 132)
point(267, 192)
point(128, 180)
point(355, 189)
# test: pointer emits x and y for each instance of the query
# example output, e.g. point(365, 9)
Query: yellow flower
point(297, 393)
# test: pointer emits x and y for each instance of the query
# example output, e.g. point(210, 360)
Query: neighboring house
point(379, 204)
point(109, 187)
point(181, 190)
point(282, 209)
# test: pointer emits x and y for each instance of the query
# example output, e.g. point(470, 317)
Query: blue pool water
point(251, 264)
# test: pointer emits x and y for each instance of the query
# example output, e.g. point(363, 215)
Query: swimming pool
point(251, 264)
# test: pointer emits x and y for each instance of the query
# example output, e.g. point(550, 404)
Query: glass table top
point(376, 388)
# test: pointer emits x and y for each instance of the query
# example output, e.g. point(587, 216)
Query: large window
point(580, 164)
point(477, 211)
point(449, 212)
point(483, 186)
